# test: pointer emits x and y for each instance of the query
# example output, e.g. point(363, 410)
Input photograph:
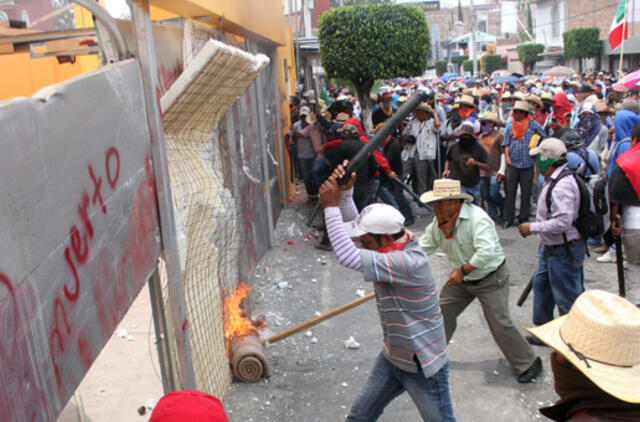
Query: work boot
point(532, 373)
point(535, 341)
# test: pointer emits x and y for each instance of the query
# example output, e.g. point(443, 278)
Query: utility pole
point(473, 38)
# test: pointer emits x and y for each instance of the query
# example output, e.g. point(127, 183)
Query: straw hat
point(548, 97)
point(342, 117)
point(534, 99)
point(423, 106)
point(445, 189)
point(602, 107)
point(489, 116)
point(517, 96)
point(523, 106)
point(466, 100)
point(507, 96)
point(600, 336)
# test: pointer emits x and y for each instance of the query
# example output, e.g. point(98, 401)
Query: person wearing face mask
point(414, 357)
point(523, 133)
point(559, 277)
point(465, 159)
point(506, 105)
point(468, 236)
point(486, 104)
point(491, 140)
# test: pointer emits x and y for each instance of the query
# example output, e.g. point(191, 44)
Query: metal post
point(279, 141)
point(262, 137)
point(148, 67)
point(160, 327)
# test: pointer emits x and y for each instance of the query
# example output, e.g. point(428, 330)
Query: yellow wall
point(24, 76)
point(249, 18)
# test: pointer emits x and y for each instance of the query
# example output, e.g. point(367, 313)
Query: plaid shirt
point(519, 149)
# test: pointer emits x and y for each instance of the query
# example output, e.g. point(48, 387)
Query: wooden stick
point(320, 318)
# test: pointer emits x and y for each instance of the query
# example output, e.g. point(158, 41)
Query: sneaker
point(607, 257)
point(532, 373)
point(323, 246)
point(409, 222)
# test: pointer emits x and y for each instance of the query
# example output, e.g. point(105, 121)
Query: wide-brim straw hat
point(466, 100)
point(423, 106)
point(445, 189)
point(490, 116)
point(547, 96)
point(523, 106)
point(534, 99)
point(600, 336)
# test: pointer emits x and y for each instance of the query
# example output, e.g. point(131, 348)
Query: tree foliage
point(582, 43)
point(373, 41)
point(491, 62)
point(467, 65)
point(529, 54)
point(338, 3)
point(441, 67)
point(459, 59)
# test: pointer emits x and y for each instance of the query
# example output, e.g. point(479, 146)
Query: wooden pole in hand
point(320, 318)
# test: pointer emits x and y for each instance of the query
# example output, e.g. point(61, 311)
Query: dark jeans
point(386, 382)
point(401, 201)
point(306, 166)
point(558, 280)
point(490, 188)
point(524, 178)
point(319, 172)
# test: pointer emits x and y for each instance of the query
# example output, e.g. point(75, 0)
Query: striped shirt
point(406, 297)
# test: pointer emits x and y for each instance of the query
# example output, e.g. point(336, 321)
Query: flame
point(235, 323)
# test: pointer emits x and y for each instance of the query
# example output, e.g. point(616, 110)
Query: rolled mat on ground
point(248, 361)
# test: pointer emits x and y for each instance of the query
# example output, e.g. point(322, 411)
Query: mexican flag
point(619, 29)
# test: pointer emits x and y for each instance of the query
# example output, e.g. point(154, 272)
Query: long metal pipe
point(389, 126)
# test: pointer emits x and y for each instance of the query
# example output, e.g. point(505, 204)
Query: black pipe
point(389, 126)
point(620, 267)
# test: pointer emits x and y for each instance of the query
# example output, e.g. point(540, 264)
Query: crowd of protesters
point(475, 151)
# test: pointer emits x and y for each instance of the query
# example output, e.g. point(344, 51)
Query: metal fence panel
point(78, 232)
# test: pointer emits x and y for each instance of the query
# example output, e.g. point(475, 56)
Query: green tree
point(491, 62)
point(374, 41)
point(467, 65)
point(459, 59)
point(582, 43)
point(529, 54)
point(441, 67)
point(338, 3)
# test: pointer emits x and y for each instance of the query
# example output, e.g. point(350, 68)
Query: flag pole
point(624, 31)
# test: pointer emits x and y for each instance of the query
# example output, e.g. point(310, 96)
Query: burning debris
point(244, 349)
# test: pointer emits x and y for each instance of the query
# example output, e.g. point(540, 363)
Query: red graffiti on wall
point(76, 254)
point(21, 397)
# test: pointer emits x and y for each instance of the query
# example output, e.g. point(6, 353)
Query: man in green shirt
point(468, 236)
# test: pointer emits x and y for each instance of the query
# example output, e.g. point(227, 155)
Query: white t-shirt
point(426, 140)
point(631, 218)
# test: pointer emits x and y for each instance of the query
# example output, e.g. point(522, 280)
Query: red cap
point(188, 406)
point(386, 95)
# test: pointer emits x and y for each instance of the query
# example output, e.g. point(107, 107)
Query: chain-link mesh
point(210, 227)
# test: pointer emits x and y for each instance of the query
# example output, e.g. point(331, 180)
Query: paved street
point(318, 381)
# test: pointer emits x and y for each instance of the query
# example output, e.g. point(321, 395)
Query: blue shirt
point(519, 149)
point(616, 152)
point(575, 160)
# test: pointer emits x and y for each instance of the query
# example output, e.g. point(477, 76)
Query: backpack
point(594, 205)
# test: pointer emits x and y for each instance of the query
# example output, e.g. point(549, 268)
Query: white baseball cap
point(376, 219)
